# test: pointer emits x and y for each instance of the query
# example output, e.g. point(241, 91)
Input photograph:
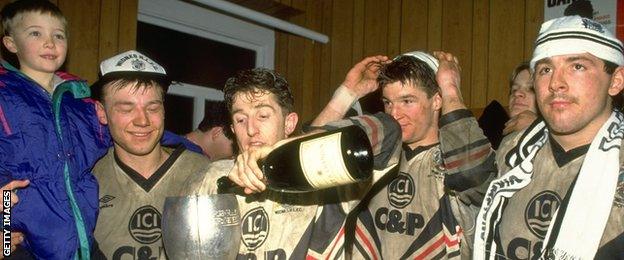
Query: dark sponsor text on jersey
point(400, 194)
point(537, 216)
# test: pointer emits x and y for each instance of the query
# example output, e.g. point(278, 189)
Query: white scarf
point(580, 230)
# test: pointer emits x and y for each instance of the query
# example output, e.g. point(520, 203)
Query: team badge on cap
point(130, 64)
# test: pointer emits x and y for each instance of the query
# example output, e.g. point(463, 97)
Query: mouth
point(49, 56)
point(559, 103)
point(255, 144)
point(519, 104)
point(140, 134)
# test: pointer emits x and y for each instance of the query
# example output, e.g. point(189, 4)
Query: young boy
point(48, 135)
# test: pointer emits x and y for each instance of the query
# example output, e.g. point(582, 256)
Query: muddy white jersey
point(130, 220)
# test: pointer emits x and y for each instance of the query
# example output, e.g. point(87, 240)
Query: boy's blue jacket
point(58, 210)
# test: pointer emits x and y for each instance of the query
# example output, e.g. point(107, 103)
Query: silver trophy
point(201, 227)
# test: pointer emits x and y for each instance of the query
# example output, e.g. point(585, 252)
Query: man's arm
point(467, 153)
point(360, 80)
point(383, 132)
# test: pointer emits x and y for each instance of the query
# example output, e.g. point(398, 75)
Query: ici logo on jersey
point(401, 190)
point(145, 225)
point(540, 211)
point(255, 228)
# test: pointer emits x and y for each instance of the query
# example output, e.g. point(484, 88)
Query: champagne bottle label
point(322, 163)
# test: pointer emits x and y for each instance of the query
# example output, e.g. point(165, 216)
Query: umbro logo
point(104, 201)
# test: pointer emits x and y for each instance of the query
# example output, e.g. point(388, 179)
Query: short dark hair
point(514, 74)
point(609, 67)
point(255, 82)
point(216, 115)
point(136, 83)
point(408, 69)
point(13, 10)
point(582, 8)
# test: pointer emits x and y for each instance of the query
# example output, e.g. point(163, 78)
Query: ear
point(436, 101)
point(101, 113)
point(617, 81)
point(290, 123)
point(9, 43)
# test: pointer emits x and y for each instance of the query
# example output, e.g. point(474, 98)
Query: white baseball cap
point(130, 64)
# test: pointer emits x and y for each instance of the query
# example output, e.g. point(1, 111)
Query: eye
point(578, 66)
point(154, 109)
point(264, 115)
point(543, 70)
point(59, 36)
point(239, 120)
point(34, 33)
point(407, 101)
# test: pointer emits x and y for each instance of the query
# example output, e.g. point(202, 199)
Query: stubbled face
point(522, 96)
point(135, 118)
point(257, 120)
point(573, 94)
point(416, 113)
point(40, 42)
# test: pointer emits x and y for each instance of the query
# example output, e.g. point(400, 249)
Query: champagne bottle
point(319, 161)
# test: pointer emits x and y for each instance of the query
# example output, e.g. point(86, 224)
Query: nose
point(141, 118)
point(557, 81)
point(519, 93)
point(252, 128)
point(49, 42)
point(393, 111)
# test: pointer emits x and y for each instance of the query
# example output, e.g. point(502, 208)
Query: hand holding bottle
point(246, 171)
point(306, 163)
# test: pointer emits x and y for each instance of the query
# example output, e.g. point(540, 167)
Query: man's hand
point(247, 173)
point(12, 186)
point(362, 78)
point(519, 122)
point(449, 80)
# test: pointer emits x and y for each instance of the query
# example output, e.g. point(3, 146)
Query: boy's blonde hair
point(12, 12)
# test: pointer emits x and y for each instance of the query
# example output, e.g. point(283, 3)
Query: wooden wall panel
point(534, 16)
point(434, 25)
point(456, 38)
point(342, 32)
point(507, 42)
point(109, 29)
point(480, 54)
point(394, 28)
point(375, 27)
point(128, 10)
point(358, 31)
point(295, 62)
point(97, 29)
point(414, 25)
point(489, 36)
point(82, 55)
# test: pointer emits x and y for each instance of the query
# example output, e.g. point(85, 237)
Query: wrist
point(342, 99)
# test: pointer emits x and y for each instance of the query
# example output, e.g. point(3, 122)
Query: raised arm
point(360, 80)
